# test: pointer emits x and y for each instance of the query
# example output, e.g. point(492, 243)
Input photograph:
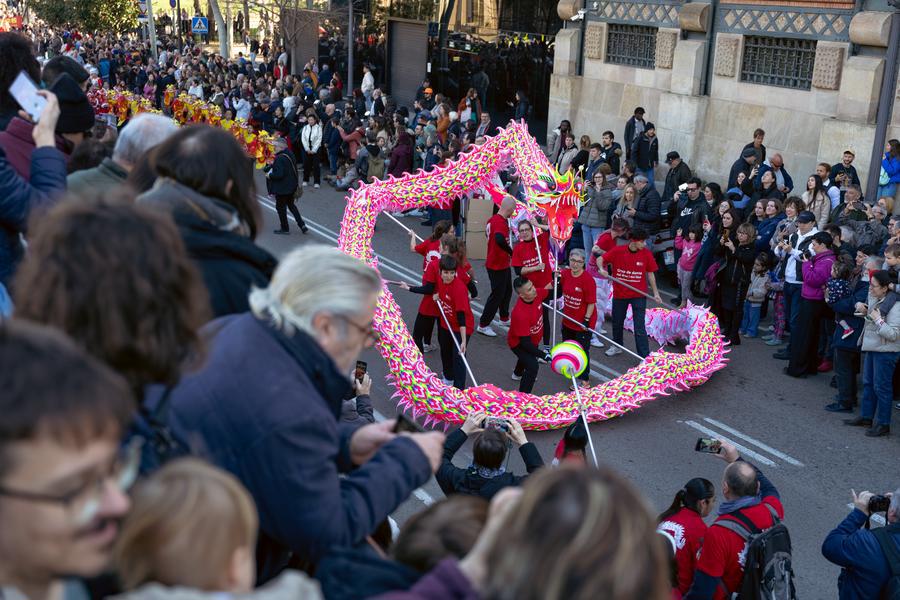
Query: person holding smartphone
point(357, 404)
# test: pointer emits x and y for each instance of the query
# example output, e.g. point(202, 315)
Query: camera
point(879, 504)
point(495, 423)
point(682, 187)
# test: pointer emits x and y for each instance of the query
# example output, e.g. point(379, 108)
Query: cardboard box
point(476, 244)
point(480, 209)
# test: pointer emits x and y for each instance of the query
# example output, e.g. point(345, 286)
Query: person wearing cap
point(634, 127)
point(759, 149)
point(747, 165)
point(632, 264)
point(775, 164)
point(645, 151)
point(844, 174)
point(679, 173)
point(427, 100)
point(790, 270)
point(76, 117)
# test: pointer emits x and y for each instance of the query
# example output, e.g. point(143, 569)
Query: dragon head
point(561, 197)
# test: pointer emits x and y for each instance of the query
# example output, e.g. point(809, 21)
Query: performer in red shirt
point(453, 296)
point(683, 523)
point(529, 262)
point(634, 265)
point(609, 239)
point(526, 329)
point(579, 292)
point(497, 265)
point(430, 249)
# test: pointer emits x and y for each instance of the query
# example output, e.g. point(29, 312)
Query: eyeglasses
point(576, 261)
point(371, 336)
point(84, 502)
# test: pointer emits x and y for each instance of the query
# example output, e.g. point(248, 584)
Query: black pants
point(846, 370)
point(583, 339)
point(805, 338)
point(527, 367)
point(451, 359)
point(422, 329)
point(286, 203)
point(501, 294)
point(546, 313)
point(311, 167)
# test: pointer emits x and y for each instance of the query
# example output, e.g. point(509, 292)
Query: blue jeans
point(792, 304)
point(6, 305)
point(590, 236)
point(638, 312)
point(878, 390)
point(648, 173)
point(750, 320)
point(887, 190)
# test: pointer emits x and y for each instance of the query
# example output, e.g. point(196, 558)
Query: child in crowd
point(837, 288)
point(690, 249)
point(892, 262)
point(756, 295)
point(775, 289)
point(186, 506)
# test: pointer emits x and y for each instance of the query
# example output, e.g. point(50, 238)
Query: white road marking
point(399, 269)
point(743, 449)
point(876, 518)
point(785, 457)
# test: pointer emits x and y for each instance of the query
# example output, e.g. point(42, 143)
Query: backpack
point(891, 590)
point(376, 166)
point(768, 569)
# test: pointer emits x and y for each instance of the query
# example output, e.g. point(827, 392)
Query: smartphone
point(708, 445)
point(405, 424)
point(25, 92)
point(361, 368)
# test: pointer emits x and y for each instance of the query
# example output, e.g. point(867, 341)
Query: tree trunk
point(224, 50)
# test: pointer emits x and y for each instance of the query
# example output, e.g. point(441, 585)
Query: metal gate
point(407, 58)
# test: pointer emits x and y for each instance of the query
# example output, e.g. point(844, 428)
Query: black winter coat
point(647, 209)
point(645, 152)
point(282, 179)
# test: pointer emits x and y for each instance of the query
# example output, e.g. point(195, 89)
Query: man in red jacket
point(749, 495)
point(497, 264)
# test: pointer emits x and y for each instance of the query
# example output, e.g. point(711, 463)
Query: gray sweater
point(886, 337)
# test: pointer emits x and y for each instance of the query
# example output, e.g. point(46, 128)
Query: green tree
point(89, 15)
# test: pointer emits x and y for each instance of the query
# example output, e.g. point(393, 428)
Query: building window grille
point(632, 45)
point(781, 62)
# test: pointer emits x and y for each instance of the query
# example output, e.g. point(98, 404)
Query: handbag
point(884, 178)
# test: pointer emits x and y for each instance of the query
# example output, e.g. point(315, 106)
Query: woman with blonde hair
point(628, 200)
point(580, 162)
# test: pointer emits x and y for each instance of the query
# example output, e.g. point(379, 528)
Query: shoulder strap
point(735, 527)
point(889, 548)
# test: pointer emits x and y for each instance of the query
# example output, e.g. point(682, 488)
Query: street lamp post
point(885, 102)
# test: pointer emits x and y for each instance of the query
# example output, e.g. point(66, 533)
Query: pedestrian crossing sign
point(199, 25)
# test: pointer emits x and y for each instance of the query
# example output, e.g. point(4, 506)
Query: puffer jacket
point(886, 337)
point(593, 213)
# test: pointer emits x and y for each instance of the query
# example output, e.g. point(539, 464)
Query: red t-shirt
point(527, 319)
point(578, 293)
point(497, 258)
point(723, 552)
point(605, 241)
point(525, 254)
point(687, 529)
point(455, 298)
point(630, 267)
point(432, 274)
point(431, 250)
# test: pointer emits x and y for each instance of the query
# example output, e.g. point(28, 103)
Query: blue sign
point(172, 3)
point(199, 25)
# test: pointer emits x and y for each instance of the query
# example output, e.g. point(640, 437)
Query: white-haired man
point(143, 132)
point(266, 407)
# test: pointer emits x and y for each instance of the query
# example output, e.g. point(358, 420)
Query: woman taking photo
point(804, 359)
point(683, 521)
point(628, 201)
point(596, 207)
point(768, 188)
point(735, 251)
point(817, 201)
point(580, 162)
point(881, 350)
point(787, 226)
point(773, 214)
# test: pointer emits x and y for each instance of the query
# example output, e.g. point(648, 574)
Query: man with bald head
point(499, 252)
point(750, 500)
point(783, 181)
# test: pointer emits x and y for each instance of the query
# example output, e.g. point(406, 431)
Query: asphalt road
point(778, 422)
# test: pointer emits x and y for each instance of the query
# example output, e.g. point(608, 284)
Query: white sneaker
point(447, 382)
point(316, 186)
point(426, 348)
point(603, 331)
point(304, 184)
point(504, 321)
point(414, 213)
point(596, 343)
point(516, 377)
point(613, 351)
point(486, 331)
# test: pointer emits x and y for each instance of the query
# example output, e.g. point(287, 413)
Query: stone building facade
point(808, 72)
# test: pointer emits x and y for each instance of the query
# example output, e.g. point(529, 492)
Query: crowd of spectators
point(144, 315)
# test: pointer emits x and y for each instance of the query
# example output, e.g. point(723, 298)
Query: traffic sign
point(199, 25)
point(142, 11)
point(172, 3)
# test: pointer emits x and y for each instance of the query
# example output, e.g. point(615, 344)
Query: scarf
point(486, 473)
point(733, 505)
